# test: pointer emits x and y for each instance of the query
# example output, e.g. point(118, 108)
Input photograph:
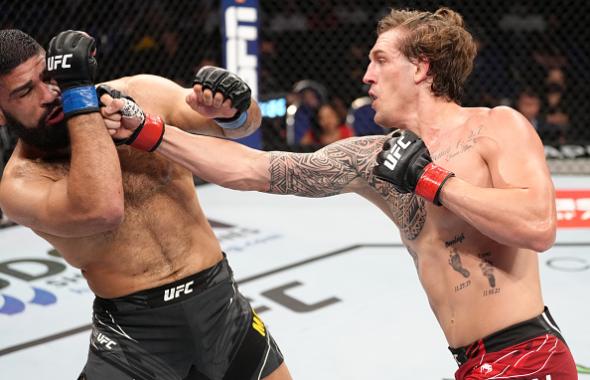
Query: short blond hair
point(442, 39)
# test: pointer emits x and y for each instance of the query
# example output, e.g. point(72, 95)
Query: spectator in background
point(489, 84)
point(307, 96)
point(556, 105)
point(331, 128)
point(529, 104)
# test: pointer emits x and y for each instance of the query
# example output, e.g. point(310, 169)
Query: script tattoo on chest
point(338, 168)
point(462, 145)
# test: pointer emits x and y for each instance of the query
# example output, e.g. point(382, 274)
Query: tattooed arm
point(335, 169)
point(342, 167)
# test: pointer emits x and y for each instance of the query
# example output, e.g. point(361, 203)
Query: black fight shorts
point(198, 328)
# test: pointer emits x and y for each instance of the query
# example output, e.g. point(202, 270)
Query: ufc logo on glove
point(393, 157)
point(55, 61)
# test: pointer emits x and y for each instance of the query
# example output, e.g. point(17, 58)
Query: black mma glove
point(71, 62)
point(405, 162)
point(148, 135)
point(231, 87)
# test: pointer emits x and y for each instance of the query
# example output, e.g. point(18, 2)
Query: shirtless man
point(166, 305)
point(473, 221)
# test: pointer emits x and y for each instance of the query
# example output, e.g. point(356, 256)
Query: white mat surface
point(328, 275)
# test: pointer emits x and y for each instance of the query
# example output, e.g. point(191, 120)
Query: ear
point(421, 73)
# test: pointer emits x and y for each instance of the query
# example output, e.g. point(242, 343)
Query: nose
point(369, 78)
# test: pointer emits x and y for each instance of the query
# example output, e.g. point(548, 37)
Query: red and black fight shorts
point(530, 350)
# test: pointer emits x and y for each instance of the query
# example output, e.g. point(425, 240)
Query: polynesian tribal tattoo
point(331, 169)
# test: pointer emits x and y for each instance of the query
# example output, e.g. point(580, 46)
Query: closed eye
point(24, 93)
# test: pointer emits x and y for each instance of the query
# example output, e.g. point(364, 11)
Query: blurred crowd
point(532, 56)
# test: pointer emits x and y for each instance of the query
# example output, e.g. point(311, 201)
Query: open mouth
point(55, 116)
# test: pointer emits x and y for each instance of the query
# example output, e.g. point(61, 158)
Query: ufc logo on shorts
point(395, 154)
point(105, 341)
point(177, 291)
point(58, 60)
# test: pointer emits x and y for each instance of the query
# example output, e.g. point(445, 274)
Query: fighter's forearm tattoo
point(309, 175)
point(335, 169)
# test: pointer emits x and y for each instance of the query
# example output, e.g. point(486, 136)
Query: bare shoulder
point(30, 170)
point(20, 167)
point(22, 173)
point(507, 133)
point(504, 121)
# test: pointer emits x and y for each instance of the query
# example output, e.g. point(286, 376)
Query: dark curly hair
point(16, 47)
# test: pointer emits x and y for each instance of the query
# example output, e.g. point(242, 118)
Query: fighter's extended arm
point(337, 168)
point(219, 103)
point(89, 199)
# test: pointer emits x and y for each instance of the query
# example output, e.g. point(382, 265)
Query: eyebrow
point(373, 53)
point(25, 86)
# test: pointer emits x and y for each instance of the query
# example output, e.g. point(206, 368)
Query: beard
point(44, 137)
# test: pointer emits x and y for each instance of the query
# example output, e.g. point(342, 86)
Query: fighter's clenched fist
point(221, 95)
point(71, 62)
point(405, 162)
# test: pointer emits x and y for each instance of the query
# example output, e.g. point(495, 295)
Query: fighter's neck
point(433, 117)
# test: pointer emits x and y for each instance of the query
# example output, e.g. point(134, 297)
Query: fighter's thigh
point(258, 356)
point(97, 368)
point(281, 373)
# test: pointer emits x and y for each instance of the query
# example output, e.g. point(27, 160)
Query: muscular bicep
point(341, 167)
